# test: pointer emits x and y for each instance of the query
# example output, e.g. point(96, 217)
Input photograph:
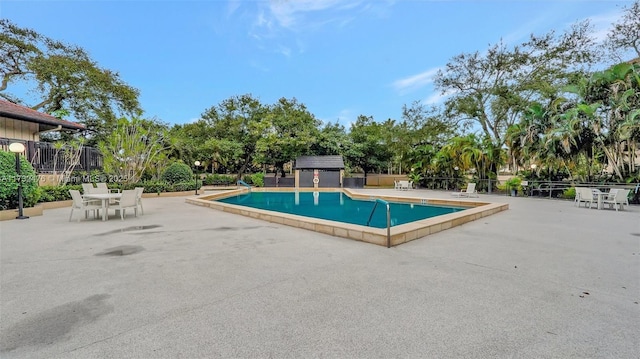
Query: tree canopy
point(491, 89)
point(62, 77)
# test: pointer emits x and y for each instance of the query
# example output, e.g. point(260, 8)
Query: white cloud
point(284, 50)
point(437, 98)
point(232, 6)
point(603, 23)
point(415, 82)
point(286, 21)
point(523, 32)
point(290, 13)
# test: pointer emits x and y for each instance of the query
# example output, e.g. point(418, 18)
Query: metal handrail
point(244, 184)
point(388, 218)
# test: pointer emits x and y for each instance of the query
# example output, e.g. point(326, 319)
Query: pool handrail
point(244, 184)
point(388, 218)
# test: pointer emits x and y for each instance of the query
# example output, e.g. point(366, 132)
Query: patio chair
point(88, 188)
point(128, 200)
point(470, 191)
point(619, 198)
point(83, 205)
point(102, 188)
point(139, 191)
point(583, 194)
point(396, 185)
point(403, 185)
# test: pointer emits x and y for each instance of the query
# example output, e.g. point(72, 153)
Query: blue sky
point(341, 58)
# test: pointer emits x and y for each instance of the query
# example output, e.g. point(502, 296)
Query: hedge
point(9, 182)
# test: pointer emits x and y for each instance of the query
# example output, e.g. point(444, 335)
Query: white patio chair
point(102, 187)
point(83, 205)
point(584, 194)
point(619, 198)
point(612, 193)
point(139, 191)
point(128, 200)
point(470, 191)
point(87, 188)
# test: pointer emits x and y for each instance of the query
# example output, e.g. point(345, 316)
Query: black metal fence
point(272, 181)
point(43, 156)
point(532, 188)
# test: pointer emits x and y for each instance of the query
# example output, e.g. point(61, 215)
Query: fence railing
point(532, 188)
point(45, 158)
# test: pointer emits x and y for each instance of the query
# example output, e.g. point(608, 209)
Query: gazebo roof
point(319, 162)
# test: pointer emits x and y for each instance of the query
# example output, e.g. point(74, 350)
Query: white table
point(601, 195)
point(105, 198)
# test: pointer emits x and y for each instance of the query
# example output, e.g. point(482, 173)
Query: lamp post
point(455, 176)
point(18, 148)
point(197, 163)
point(533, 169)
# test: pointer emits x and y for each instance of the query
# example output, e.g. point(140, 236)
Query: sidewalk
point(542, 279)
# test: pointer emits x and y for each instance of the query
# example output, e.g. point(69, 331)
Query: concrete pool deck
point(543, 279)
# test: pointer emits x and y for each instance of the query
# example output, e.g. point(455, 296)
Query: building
point(22, 124)
point(319, 171)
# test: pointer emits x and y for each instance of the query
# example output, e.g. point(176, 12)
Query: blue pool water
point(336, 206)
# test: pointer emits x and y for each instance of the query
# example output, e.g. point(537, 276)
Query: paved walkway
point(542, 280)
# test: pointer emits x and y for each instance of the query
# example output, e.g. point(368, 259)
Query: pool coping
point(398, 234)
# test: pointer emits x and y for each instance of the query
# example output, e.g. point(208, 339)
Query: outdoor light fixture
point(18, 148)
point(197, 163)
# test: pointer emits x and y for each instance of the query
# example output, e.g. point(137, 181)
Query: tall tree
point(427, 125)
point(289, 130)
point(609, 104)
point(422, 129)
point(63, 77)
point(492, 89)
point(368, 149)
point(332, 140)
point(240, 120)
point(625, 34)
point(132, 147)
point(197, 141)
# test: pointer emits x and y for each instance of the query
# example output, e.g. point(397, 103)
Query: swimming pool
point(337, 206)
point(474, 209)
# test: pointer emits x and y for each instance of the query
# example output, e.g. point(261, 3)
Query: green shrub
point(57, 193)
point(569, 193)
point(9, 182)
point(514, 183)
point(154, 186)
point(257, 179)
point(218, 180)
point(177, 172)
point(183, 186)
